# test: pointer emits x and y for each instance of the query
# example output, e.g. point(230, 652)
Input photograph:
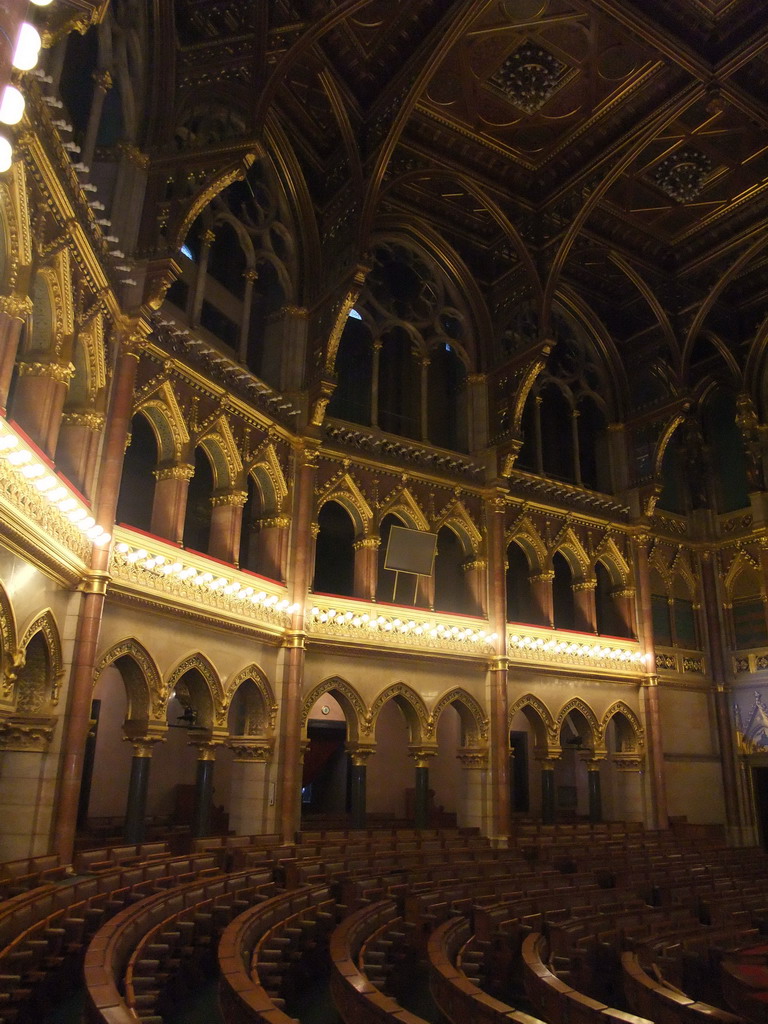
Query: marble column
point(78, 447)
point(169, 505)
point(299, 579)
point(584, 606)
point(542, 597)
point(38, 401)
point(500, 809)
point(103, 83)
point(268, 546)
point(76, 720)
point(14, 310)
point(197, 294)
point(476, 581)
point(359, 754)
point(366, 567)
point(201, 819)
point(649, 692)
point(421, 757)
point(138, 787)
point(624, 602)
point(548, 791)
point(251, 276)
point(226, 524)
point(594, 792)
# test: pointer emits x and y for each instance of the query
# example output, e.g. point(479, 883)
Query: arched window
point(593, 451)
point(451, 592)
point(134, 504)
point(399, 385)
point(334, 552)
point(354, 366)
point(520, 605)
point(197, 521)
point(610, 621)
point(660, 604)
point(446, 382)
point(749, 623)
point(562, 593)
point(557, 456)
point(726, 452)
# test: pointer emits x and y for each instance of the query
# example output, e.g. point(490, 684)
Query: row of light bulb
point(381, 623)
point(48, 484)
point(25, 57)
point(163, 566)
point(577, 650)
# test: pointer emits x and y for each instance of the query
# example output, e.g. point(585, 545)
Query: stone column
point(476, 575)
point(424, 400)
point(624, 602)
point(78, 447)
point(251, 275)
point(366, 567)
point(649, 688)
point(542, 597)
point(594, 791)
point(169, 505)
point(284, 349)
point(38, 401)
point(226, 524)
point(249, 797)
point(548, 791)
point(584, 606)
point(138, 786)
point(500, 811)
point(268, 546)
point(376, 363)
point(576, 446)
point(715, 650)
point(359, 754)
point(206, 759)
point(299, 578)
point(14, 310)
point(198, 290)
point(76, 720)
point(474, 761)
point(103, 81)
point(421, 757)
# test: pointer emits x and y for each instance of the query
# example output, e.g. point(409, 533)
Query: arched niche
point(562, 592)
point(351, 399)
point(137, 482)
point(334, 551)
point(521, 606)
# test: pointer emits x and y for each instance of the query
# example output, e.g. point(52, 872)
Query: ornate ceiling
point(612, 149)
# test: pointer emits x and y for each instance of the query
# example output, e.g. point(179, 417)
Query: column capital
point(206, 749)
point(251, 274)
point(17, 306)
point(178, 472)
point(360, 752)
point(584, 585)
point(84, 418)
point(234, 498)
point(373, 543)
point(208, 237)
point(421, 754)
point(473, 758)
point(142, 745)
point(60, 372)
point(281, 522)
point(251, 748)
point(103, 79)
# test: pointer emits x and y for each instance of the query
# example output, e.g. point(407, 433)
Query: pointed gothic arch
point(620, 707)
point(352, 704)
point(538, 714)
point(199, 663)
point(474, 721)
point(410, 703)
point(347, 493)
point(143, 684)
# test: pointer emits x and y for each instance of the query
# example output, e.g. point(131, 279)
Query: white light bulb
point(6, 154)
point(11, 105)
point(27, 48)
point(41, 3)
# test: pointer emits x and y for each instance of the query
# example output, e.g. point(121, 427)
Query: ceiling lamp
point(682, 174)
point(529, 76)
point(11, 105)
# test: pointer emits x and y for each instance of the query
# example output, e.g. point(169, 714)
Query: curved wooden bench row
point(107, 857)
point(555, 1000)
point(356, 997)
point(242, 996)
point(662, 1002)
point(181, 936)
point(17, 876)
point(457, 997)
point(110, 949)
point(744, 982)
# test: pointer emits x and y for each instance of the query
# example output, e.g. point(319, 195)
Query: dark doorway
point(325, 782)
point(760, 786)
point(518, 745)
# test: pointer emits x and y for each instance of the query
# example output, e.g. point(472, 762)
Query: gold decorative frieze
point(585, 651)
point(679, 661)
point(61, 373)
point(154, 567)
point(347, 619)
point(26, 733)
